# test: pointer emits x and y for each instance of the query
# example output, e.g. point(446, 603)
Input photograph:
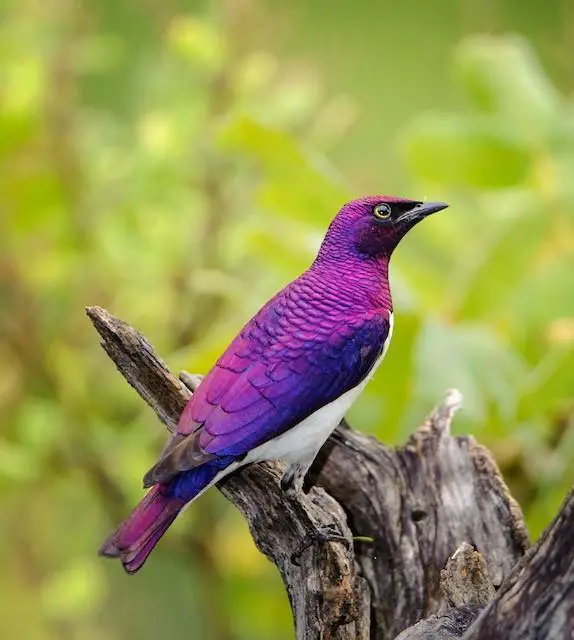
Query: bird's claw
point(325, 533)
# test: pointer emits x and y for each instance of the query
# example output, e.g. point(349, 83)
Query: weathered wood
point(537, 602)
point(465, 581)
point(467, 589)
point(409, 508)
point(419, 503)
point(140, 365)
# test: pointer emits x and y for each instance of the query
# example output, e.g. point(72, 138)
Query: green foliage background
point(177, 162)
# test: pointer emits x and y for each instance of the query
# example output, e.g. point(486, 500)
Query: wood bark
point(433, 544)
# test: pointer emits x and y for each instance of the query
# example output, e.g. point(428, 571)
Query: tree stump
point(436, 547)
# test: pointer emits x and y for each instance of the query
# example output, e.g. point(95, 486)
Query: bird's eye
point(382, 211)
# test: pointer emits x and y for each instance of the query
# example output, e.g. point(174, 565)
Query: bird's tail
point(136, 537)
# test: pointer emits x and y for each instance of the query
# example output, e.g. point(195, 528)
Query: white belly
point(302, 442)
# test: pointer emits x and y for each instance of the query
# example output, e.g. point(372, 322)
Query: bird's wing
point(274, 375)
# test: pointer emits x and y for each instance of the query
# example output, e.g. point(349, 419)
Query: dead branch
point(411, 508)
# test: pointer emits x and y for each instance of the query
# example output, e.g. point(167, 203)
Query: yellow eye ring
point(382, 211)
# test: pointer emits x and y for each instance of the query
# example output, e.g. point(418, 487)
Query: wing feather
point(274, 374)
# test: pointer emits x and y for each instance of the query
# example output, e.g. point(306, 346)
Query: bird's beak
point(421, 211)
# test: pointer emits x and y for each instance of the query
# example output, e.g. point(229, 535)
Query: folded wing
point(276, 373)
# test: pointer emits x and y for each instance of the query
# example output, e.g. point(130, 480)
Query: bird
point(288, 378)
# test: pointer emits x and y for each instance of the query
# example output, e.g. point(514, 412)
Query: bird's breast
point(302, 442)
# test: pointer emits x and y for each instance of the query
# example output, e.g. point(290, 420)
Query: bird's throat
point(363, 285)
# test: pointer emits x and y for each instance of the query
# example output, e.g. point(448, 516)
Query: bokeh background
point(177, 162)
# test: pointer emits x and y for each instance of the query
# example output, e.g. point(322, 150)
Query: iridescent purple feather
point(297, 355)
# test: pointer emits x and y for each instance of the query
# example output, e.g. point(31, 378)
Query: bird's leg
point(292, 484)
point(324, 533)
point(294, 478)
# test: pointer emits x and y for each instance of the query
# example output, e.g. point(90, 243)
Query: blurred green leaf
point(197, 41)
point(510, 253)
point(466, 151)
point(39, 426)
point(285, 164)
point(470, 358)
point(540, 298)
point(74, 591)
point(503, 77)
point(16, 463)
point(549, 383)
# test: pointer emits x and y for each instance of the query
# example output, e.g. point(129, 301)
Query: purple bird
point(288, 378)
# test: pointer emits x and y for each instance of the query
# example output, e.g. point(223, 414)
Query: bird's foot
point(325, 533)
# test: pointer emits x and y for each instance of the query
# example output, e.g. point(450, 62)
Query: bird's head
point(372, 227)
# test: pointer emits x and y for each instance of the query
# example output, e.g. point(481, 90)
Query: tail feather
point(136, 537)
